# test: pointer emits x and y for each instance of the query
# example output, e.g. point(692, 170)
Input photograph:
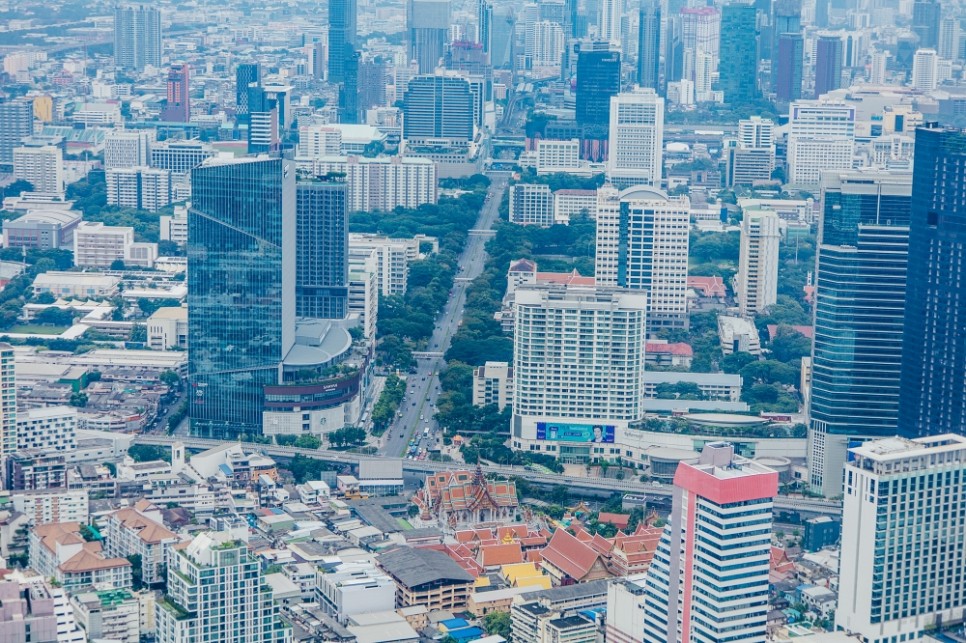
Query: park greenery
point(388, 403)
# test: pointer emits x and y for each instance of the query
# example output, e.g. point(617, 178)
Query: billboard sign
point(566, 432)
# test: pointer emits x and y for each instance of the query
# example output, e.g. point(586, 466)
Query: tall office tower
point(349, 89)
point(428, 23)
point(828, 64)
point(756, 283)
point(642, 244)
point(598, 79)
point(178, 107)
point(751, 157)
point(738, 69)
point(8, 400)
point(485, 20)
point(216, 592)
point(322, 248)
point(672, 47)
point(786, 18)
point(926, 16)
point(373, 75)
point(878, 68)
point(636, 138)
point(41, 166)
point(578, 360)
point(137, 37)
point(544, 43)
point(949, 38)
point(502, 37)
point(700, 33)
point(933, 380)
point(649, 45)
point(241, 290)
point(821, 137)
point(820, 18)
point(342, 36)
point(16, 122)
point(903, 516)
point(709, 577)
point(925, 70)
point(438, 107)
point(859, 309)
point(246, 74)
point(263, 121)
point(609, 21)
point(756, 132)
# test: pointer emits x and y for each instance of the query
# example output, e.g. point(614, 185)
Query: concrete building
point(168, 328)
point(42, 230)
point(137, 37)
point(902, 559)
point(393, 257)
point(554, 157)
point(113, 615)
point(756, 282)
point(51, 428)
point(141, 187)
point(127, 148)
point(493, 384)
point(821, 137)
point(642, 244)
point(80, 285)
point(98, 246)
point(58, 551)
point(60, 505)
point(43, 167)
point(174, 228)
point(625, 610)
point(381, 183)
point(570, 203)
point(578, 369)
point(737, 335)
point(751, 156)
point(426, 577)
point(925, 70)
point(364, 289)
point(531, 204)
point(33, 610)
point(8, 400)
point(216, 592)
point(139, 531)
point(709, 577)
point(16, 123)
point(636, 139)
point(355, 588)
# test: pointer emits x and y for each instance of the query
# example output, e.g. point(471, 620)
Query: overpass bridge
point(810, 506)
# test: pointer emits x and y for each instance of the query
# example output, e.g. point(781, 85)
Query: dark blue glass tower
point(649, 46)
point(598, 78)
point(738, 67)
point(933, 384)
point(246, 74)
point(859, 312)
point(241, 290)
point(342, 36)
point(323, 248)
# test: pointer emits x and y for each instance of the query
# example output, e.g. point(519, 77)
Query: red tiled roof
point(618, 520)
point(496, 555)
point(709, 286)
point(523, 265)
point(677, 348)
point(569, 555)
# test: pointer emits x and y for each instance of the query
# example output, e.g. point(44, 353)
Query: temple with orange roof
point(461, 498)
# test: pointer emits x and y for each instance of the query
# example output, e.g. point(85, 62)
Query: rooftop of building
point(414, 567)
point(178, 313)
point(897, 448)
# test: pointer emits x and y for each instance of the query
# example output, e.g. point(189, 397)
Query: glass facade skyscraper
point(598, 78)
point(933, 384)
point(342, 36)
point(322, 248)
point(738, 66)
point(859, 312)
point(241, 290)
point(649, 46)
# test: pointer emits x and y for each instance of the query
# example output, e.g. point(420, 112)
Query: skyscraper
point(903, 516)
point(137, 36)
point(786, 18)
point(349, 90)
point(246, 74)
point(949, 38)
point(642, 244)
point(700, 36)
point(8, 400)
point(609, 21)
point(438, 107)
point(788, 67)
point(216, 592)
point(649, 45)
point(738, 70)
point(428, 23)
point(241, 287)
point(828, 64)
point(860, 304)
point(926, 16)
point(598, 79)
point(322, 246)
point(16, 122)
point(178, 107)
point(342, 36)
point(925, 70)
point(933, 381)
point(821, 137)
point(636, 138)
point(709, 577)
point(756, 283)
point(485, 19)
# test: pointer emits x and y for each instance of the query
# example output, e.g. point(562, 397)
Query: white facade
point(821, 137)
point(655, 235)
point(625, 610)
point(737, 335)
point(60, 505)
point(43, 167)
point(609, 21)
point(393, 257)
point(570, 203)
point(555, 156)
point(382, 183)
point(756, 132)
point(174, 228)
point(903, 517)
point(364, 289)
point(108, 615)
point(140, 187)
point(8, 400)
point(531, 204)
point(127, 148)
point(168, 328)
point(98, 246)
point(355, 588)
point(545, 43)
point(51, 428)
point(925, 70)
point(493, 384)
point(756, 283)
point(140, 531)
point(76, 284)
point(636, 138)
point(709, 577)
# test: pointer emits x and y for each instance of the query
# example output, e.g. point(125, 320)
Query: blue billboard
point(566, 432)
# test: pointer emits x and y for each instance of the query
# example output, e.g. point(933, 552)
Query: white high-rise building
point(925, 70)
point(878, 70)
point(652, 229)
point(949, 37)
point(382, 183)
point(545, 43)
point(578, 369)
point(756, 132)
point(127, 148)
point(903, 555)
point(216, 593)
point(709, 578)
point(8, 400)
point(821, 137)
point(636, 138)
point(49, 428)
point(609, 21)
point(756, 283)
point(43, 167)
